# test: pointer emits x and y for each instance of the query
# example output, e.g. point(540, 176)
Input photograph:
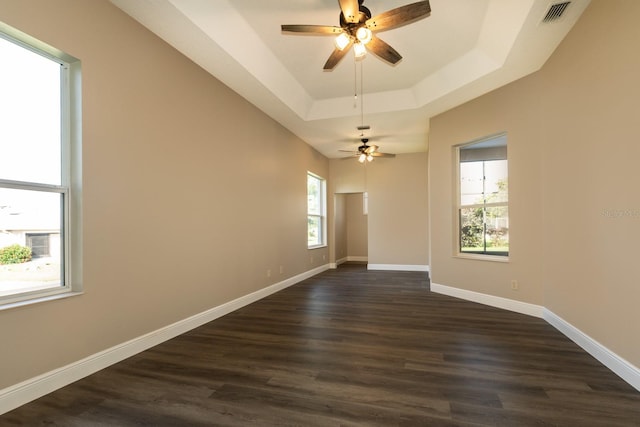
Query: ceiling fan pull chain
point(355, 85)
point(361, 95)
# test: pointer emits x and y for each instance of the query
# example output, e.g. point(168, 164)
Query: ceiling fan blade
point(399, 16)
point(312, 29)
point(383, 50)
point(351, 10)
point(348, 151)
point(335, 57)
point(379, 154)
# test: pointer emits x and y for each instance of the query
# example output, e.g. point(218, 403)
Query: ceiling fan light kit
point(359, 50)
point(342, 41)
point(364, 35)
point(364, 157)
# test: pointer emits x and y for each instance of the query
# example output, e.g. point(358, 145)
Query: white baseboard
point(493, 301)
point(33, 388)
point(398, 267)
point(620, 366)
point(347, 259)
point(335, 265)
point(623, 368)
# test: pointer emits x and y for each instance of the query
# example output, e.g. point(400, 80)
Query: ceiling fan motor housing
point(365, 14)
point(363, 148)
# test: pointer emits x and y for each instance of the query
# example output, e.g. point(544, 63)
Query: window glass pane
point(472, 230)
point(471, 183)
point(30, 245)
point(30, 121)
point(495, 172)
point(314, 195)
point(314, 231)
point(485, 230)
point(497, 235)
point(483, 182)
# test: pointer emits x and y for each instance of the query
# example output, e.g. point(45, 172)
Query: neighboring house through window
point(40, 244)
point(39, 169)
point(316, 211)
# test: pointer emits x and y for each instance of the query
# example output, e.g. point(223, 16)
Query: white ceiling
point(464, 49)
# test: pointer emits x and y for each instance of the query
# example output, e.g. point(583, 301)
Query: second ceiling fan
point(366, 152)
point(357, 28)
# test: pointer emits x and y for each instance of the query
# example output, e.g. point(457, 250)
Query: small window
point(316, 211)
point(38, 158)
point(365, 203)
point(483, 202)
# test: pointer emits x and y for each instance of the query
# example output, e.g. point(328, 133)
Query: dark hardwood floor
point(351, 347)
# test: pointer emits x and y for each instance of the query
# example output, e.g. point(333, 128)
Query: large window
point(37, 148)
point(316, 211)
point(483, 203)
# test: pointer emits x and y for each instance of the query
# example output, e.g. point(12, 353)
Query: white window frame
point(322, 215)
point(458, 206)
point(71, 173)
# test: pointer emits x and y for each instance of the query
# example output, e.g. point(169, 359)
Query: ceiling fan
point(357, 29)
point(366, 152)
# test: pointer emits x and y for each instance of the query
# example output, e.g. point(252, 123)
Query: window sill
point(316, 247)
point(37, 300)
point(480, 257)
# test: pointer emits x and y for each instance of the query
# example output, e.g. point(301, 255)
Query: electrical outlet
point(281, 269)
point(514, 285)
point(311, 259)
point(268, 273)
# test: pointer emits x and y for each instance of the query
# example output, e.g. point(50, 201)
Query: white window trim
point(323, 211)
point(457, 253)
point(71, 185)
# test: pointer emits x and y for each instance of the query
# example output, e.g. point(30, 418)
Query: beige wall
point(339, 243)
point(190, 193)
point(357, 229)
point(573, 151)
point(398, 209)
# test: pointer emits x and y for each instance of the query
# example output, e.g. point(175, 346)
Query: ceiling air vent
point(555, 11)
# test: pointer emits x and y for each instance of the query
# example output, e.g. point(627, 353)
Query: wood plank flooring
point(351, 347)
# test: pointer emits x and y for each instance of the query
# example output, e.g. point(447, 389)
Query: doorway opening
point(352, 228)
